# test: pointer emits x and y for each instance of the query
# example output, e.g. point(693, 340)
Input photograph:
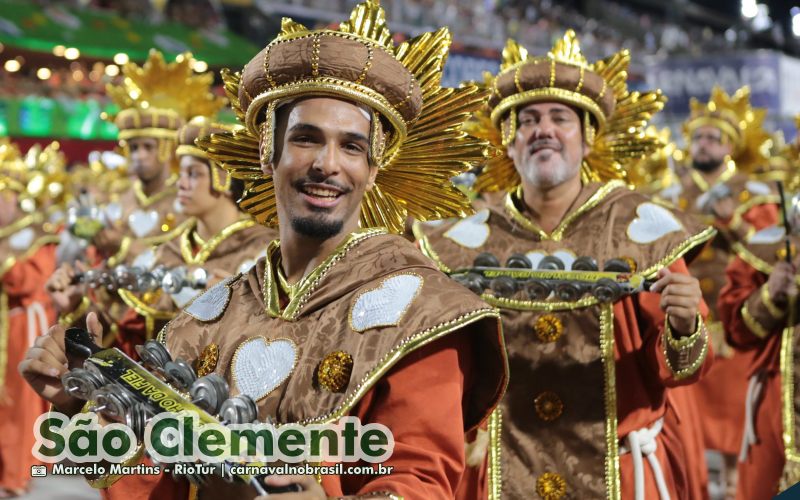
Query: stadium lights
point(12, 66)
point(762, 21)
point(72, 53)
point(749, 9)
point(121, 58)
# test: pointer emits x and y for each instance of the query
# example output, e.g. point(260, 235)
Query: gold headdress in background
point(416, 140)
point(157, 98)
point(739, 122)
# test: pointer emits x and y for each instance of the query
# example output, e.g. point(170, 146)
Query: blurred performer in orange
point(156, 99)
point(586, 401)
point(27, 258)
point(760, 313)
point(725, 138)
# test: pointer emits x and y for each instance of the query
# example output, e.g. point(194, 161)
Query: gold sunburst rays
point(368, 20)
point(415, 180)
point(161, 85)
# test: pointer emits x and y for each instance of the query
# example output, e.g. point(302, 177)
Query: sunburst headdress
point(13, 173)
point(39, 176)
point(49, 183)
point(654, 172)
point(157, 98)
point(613, 118)
point(739, 122)
point(418, 148)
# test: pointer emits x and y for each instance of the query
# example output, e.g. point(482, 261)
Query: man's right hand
point(66, 295)
point(781, 283)
point(46, 362)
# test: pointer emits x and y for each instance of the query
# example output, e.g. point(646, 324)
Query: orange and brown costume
point(375, 330)
point(584, 375)
point(768, 333)
point(27, 259)
point(718, 400)
point(588, 379)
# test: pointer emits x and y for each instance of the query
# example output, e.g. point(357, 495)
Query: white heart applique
point(535, 258)
point(113, 211)
point(757, 188)
point(768, 236)
point(471, 232)
point(259, 365)
point(385, 305)
point(142, 223)
point(22, 240)
point(184, 296)
point(653, 223)
point(210, 305)
point(566, 257)
point(145, 260)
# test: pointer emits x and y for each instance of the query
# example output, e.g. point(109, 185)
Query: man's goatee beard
point(706, 166)
point(317, 228)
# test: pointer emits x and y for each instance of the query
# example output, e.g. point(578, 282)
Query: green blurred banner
point(102, 35)
point(35, 116)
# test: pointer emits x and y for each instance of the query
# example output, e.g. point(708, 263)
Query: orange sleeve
point(761, 216)
point(743, 289)
point(420, 401)
point(672, 369)
point(28, 277)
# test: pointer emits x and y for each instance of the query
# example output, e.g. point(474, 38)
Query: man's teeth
point(321, 193)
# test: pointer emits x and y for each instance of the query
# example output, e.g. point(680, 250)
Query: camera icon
point(38, 471)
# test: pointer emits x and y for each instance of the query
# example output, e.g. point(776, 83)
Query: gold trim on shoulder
point(20, 224)
point(208, 247)
point(145, 201)
point(426, 248)
point(558, 232)
point(703, 185)
point(309, 282)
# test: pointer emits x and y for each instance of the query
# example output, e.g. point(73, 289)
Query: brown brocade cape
point(583, 374)
point(319, 321)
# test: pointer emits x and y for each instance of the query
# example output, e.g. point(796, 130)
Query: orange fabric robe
point(760, 473)
point(428, 457)
point(29, 315)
